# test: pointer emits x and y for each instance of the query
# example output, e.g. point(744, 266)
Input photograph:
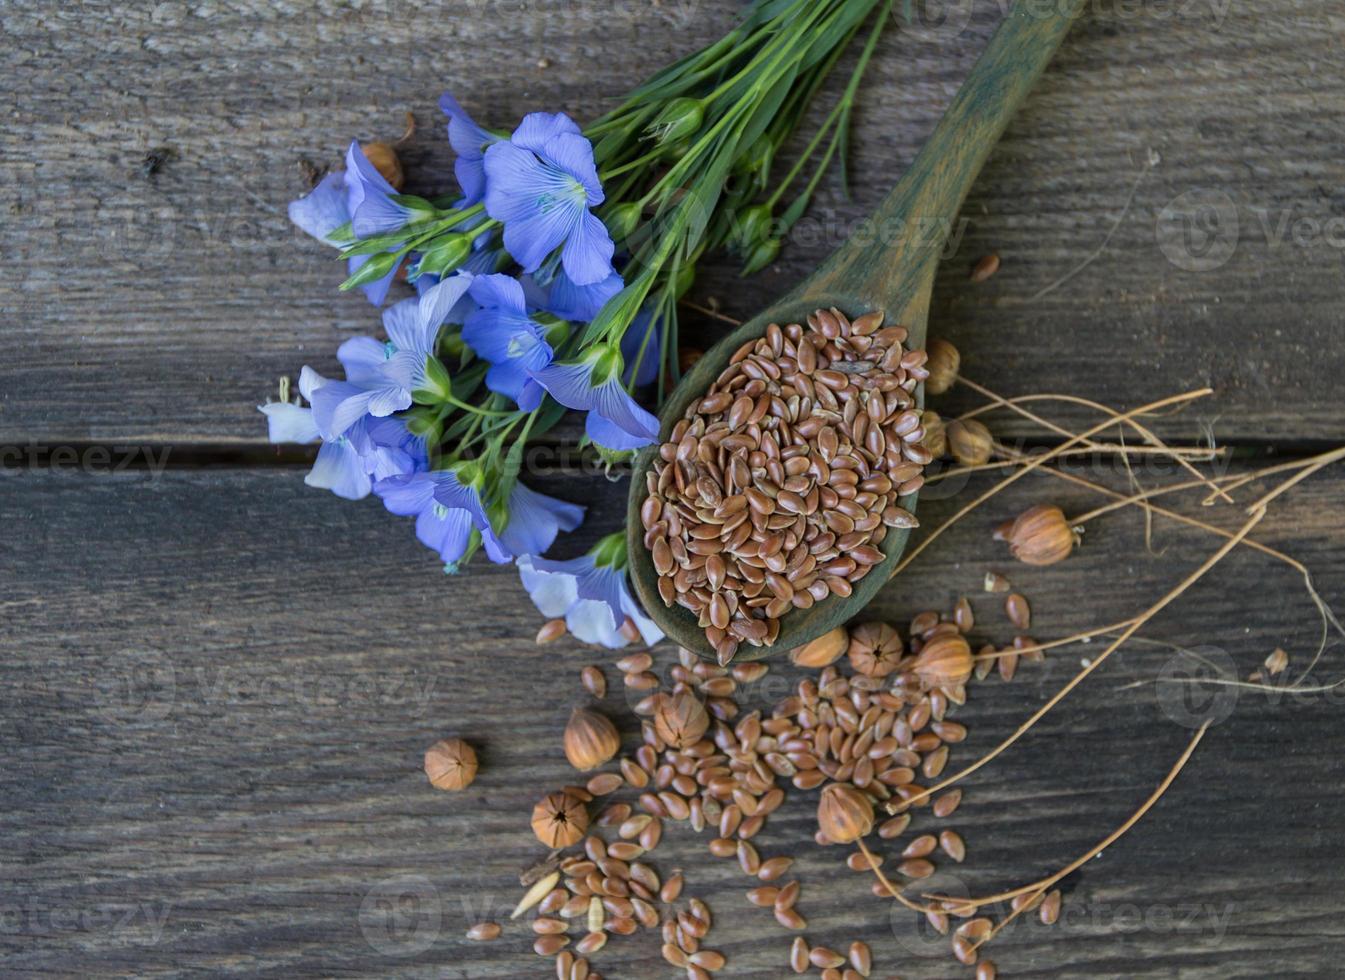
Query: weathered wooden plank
point(163, 308)
point(216, 686)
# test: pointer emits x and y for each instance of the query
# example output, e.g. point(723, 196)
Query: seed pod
point(384, 159)
point(1041, 536)
point(969, 441)
point(681, 720)
point(945, 661)
point(450, 764)
point(559, 820)
point(844, 814)
point(590, 739)
point(875, 649)
point(943, 364)
point(936, 433)
point(824, 650)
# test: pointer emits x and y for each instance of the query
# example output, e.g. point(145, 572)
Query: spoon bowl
point(913, 222)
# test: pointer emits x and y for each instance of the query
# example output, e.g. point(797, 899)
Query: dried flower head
point(1041, 536)
point(680, 719)
point(844, 814)
point(969, 441)
point(559, 820)
point(824, 650)
point(385, 161)
point(590, 739)
point(875, 649)
point(943, 364)
point(945, 661)
point(936, 433)
point(450, 764)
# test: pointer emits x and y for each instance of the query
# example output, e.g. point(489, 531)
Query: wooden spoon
point(861, 276)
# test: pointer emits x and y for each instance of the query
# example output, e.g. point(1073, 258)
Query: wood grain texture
point(217, 684)
point(162, 309)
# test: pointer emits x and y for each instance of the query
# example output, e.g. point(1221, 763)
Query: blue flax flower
point(541, 184)
point(502, 333)
point(369, 197)
point(321, 213)
point(593, 384)
point(469, 142)
point(350, 461)
point(580, 303)
point(590, 592)
point(535, 519)
point(640, 349)
point(381, 378)
point(450, 515)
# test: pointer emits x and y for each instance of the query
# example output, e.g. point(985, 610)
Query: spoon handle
point(914, 221)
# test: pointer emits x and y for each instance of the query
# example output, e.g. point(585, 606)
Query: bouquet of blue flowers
point(551, 282)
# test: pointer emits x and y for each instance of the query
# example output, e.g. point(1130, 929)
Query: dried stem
point(1037, 462)
point(1014, 404)
point(1040, 887)
point(891, 889)
point(1078, 678)
point(1051, 644)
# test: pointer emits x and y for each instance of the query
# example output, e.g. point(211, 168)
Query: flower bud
point(844, 814)
point(754, 224)
point(936, 433)
point(679, 119)
point(445, 254)
point(824, 650)
point(762, 256)
point(969, 441)
point(384, 159)
point(590, 739)
point(622, 219)
point(875, 649)
point(450, 764)
point(559, 820)
point(944, 661)
point(680, 719)
point(1041, 536)
point(943, 364)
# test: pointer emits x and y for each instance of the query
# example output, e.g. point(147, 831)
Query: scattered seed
point(550, 945)
point(604, 783)
point(985, 267)
point(593, 680)
point(952, 844)
point(1018, 611)
point(995, 582)
point(922, 846)
point(552, 630)
point(799, 955)
point(773, 868)
point(484, 932)
point(945, 805)
point(861, 958)
point(822, 958)
point(1050, 908)
point(986, 970)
